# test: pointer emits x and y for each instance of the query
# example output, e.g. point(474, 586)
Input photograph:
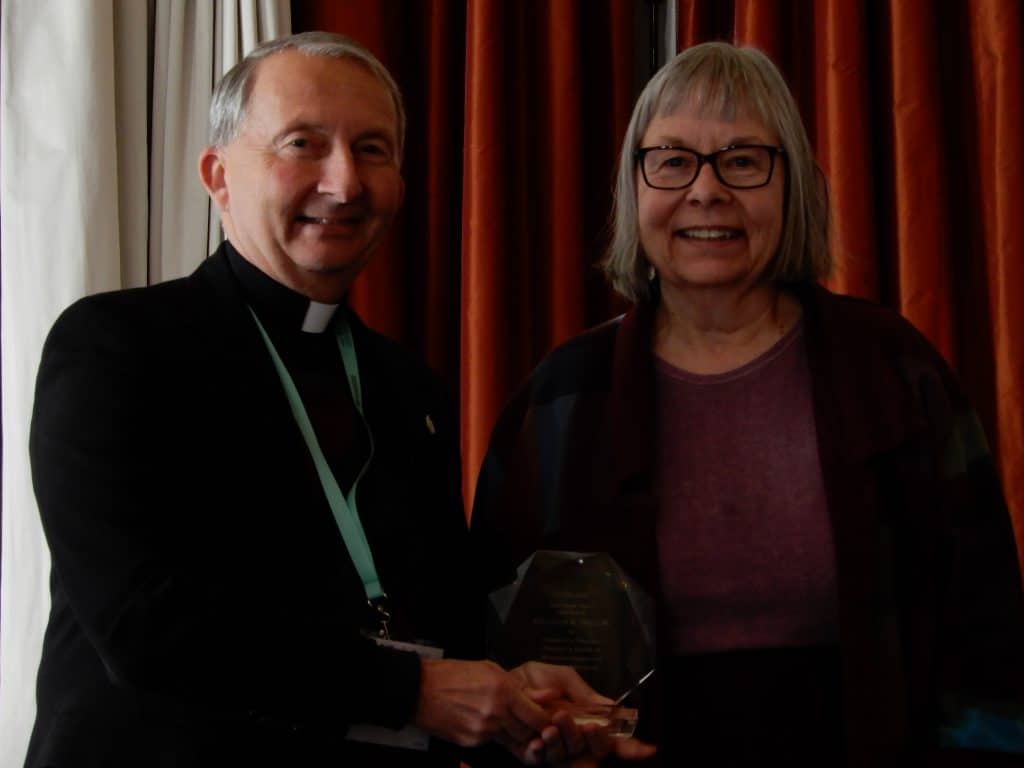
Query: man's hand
point(472, 702)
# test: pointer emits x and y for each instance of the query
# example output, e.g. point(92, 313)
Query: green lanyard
point(345, 513)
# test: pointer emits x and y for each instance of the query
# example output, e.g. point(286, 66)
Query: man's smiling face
point(309, 186)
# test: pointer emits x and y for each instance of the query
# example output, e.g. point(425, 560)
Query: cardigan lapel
point(627, 456)
point(624, 459)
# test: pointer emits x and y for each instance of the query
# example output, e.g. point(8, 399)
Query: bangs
point(718, 88)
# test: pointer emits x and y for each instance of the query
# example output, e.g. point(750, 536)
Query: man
point(247, 493)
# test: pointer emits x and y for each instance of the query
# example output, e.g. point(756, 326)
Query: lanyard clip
point(379, 611)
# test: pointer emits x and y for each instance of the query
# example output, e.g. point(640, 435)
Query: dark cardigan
point(930, 605)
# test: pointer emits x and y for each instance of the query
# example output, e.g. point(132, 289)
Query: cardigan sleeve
point(982, 698)
point(981, 635)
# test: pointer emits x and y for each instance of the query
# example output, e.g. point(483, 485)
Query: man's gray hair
point(231, 96)
point(724, 81)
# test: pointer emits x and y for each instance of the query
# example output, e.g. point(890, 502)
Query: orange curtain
point(548, 95)
point(996, 72)
point(516, 113)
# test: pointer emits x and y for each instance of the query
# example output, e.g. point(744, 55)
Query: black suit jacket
point(205, 610)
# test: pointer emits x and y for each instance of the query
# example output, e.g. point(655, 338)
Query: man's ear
point(213, 176)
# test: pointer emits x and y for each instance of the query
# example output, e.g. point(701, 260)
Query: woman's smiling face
point(708, 235)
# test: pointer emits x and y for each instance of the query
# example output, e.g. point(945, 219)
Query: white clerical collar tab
point(318, 316)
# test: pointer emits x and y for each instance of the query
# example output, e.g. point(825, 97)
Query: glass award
point(581, 610)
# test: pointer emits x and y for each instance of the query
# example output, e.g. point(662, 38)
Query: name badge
point(409, 737)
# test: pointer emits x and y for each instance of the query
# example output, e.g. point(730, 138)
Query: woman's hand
point(585, 746)
point(564, 742)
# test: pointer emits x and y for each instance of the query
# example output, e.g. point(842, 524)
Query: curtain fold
point(182, 76)
point(700, 20)
point(996, 35)
point(435, 154)
point(104, 110)
point(845, 147)
point(548, 93)
point(493, 236)
point(131, 116)
point(922, 290)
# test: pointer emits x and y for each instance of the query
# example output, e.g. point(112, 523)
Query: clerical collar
point(276, 303)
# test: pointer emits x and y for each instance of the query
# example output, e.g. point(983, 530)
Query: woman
point(794, 476)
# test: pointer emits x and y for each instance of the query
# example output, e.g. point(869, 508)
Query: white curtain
point(89, 202)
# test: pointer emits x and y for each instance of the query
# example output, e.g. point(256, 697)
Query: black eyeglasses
point(740, 166)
